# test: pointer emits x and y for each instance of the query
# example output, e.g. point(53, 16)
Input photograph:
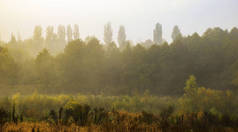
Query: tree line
point(88, 66)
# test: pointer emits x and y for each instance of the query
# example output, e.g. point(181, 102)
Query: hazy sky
point(138, 16)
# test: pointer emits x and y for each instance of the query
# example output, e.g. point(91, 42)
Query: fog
point(138, 16)
point(119, 65)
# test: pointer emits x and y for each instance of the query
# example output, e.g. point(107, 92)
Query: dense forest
point(91, 67)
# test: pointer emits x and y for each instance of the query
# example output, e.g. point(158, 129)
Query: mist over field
point(118, 66)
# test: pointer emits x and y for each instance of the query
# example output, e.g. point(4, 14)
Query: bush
point(79, 113)
point(4, 116)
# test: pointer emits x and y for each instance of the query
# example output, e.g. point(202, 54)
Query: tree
point(69, 33)
point(8, 68)
point(108, 33)
point(158, 34)
point(61, 33)
point(76, 31)
point(176, 34)
point(37, 33)
point(13, 39)
point(19, 39)
point(51, 39)
point(50, 36)
point(70, 63)
point(45, 68)
point(148, 43)
point(121, 37)
point(191, 86)
point(38, 40)
point(234, 34)
point(0, 38)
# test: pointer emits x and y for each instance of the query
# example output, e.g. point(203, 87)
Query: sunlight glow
point(91, 15)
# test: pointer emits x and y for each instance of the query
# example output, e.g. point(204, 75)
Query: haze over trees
point(135, 68)
point(76, 31)
point(69, 33)
point(61, 33)
point(85, 66)
point(107, 33)
point(176, 34)
point(158, 34)
point(121, 37)
point(193, 76)
point(72, 73)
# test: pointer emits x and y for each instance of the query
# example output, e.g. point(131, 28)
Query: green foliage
point(88, 67)
point(197, 99)
point(45, 70)
point(191, 86)
point(206, 109)
point(8, 68)
point(79, 113)
point(65, 107)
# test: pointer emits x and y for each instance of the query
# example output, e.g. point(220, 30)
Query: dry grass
point(46, 127)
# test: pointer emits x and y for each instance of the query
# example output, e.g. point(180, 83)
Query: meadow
point(198, 110)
